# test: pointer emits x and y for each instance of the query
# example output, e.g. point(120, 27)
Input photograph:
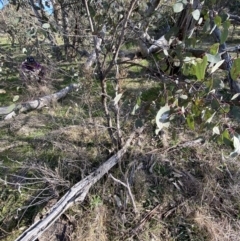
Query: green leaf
point(213, 58)
point(138, 123)
point(179, 91)
point(214, 49)
point(139, 100)
point(201, 68)
point(215, 104)
point(24, 50)
point(162, 117)
point(178, 7)
point(184, 97)
point(224, 16)
point(226, 138)
point(235, 70)
point(190, 122)
point(216, 130)
point(235, 113)
point(209, 120)
point(135, 108)
point(206, 26)
point(236, 144)
point(190, 42)
point(235, 96)
point(165, 52)
point(46, 25)
point(196, 14)
point(15, 98)
point(218, 20)
point(224, 34)
point(225, 108)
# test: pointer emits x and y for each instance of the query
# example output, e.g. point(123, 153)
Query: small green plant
point(95, 201)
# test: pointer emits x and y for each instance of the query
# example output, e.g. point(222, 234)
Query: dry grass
point(92, 225)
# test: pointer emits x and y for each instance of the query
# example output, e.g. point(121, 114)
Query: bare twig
point(129, 191)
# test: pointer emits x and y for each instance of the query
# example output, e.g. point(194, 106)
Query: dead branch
point(76, 194)
point(233, 49)
point(236, 18)
point(129, 191)
point(15, 109)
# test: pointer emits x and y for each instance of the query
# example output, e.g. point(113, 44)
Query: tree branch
point(76, 194)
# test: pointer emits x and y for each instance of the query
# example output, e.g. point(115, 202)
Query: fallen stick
point(75, 195)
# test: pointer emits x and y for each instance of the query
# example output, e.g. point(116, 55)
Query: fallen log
point(75, 195)
point(10, 111)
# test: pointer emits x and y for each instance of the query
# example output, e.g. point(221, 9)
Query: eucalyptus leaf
point(135, 108)
point(209, 120)
point(190, 122)
point(178, 7)
point(15, 98)
point(236, 144)
point(235, 70)
point(213, 58)
point(179, 91)
point(46, 25)
point(138, 123)
point(162, 117)
point(218, 20)
point(201, 68)
point(235, 113)
point(214, 49)
point(235, 96)
point(165, 52)
point(184, 97)
point(217, 65)
point(24, 50)
point(216, 130)
point(196, 14)
point(224, 34)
